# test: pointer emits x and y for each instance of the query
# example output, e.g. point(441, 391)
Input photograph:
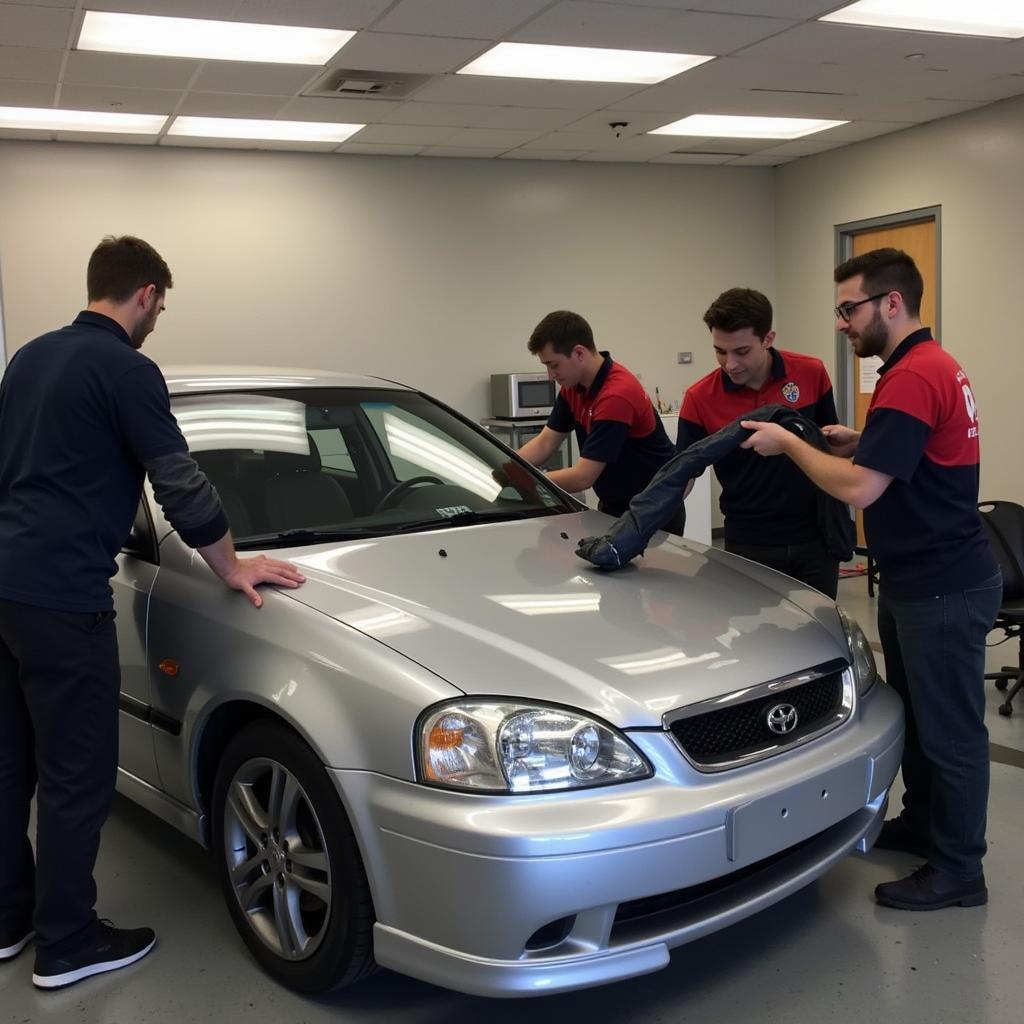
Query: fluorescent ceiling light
point(269, 131)
point(580, 63)
point(725, 126)
point(211, 40)
point(1002, 18)
point(48, 119)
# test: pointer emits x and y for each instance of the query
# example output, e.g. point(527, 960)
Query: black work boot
point(928, 888)
point(896, 834)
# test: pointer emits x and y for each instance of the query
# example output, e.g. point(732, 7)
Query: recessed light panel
point(209, 40)
point(50, 120)
point(1000, 18)
point(268, 131)
point(580, 63)
point(725, 126)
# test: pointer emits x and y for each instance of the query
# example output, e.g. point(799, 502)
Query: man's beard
point(143, 329)
point(873, 339)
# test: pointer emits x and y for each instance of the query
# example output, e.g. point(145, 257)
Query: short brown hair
point(563, 331)
point(738, 308)
point(886, 270)
point(119, 267)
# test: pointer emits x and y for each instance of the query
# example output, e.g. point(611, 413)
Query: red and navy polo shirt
point(615, 423)
point(925, 530)
point(765, 502)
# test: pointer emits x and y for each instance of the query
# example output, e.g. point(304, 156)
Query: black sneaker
point(111, 948)
point(897, 835)
point(12, 944)
point(928, 888)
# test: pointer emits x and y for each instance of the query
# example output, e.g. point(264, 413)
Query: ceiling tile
point(405, 134)
point(41, 3)
point(636, 122)
point(765, 8)
point(196, 143)
point(737, 146)
point(452, 151)
point(377, 149)
point(925, 110)
point(214, 9)
point(113, 98)
point(760, 160)
point(216, 104)
point(380, 51)
point(522, 92)
point(44, 27)
point(342, 111)
point(487, 138)
point(611, 157)
point(580, 142)
point(467, 115)
point(352, 14)
point(130, 71)
point(864, 47)
point(579, 23)
point(29, 64)
point(475, 19)
point(540, 154)
point(26, 94)
point(693, 158)
point(264, 79)
point(802, 147)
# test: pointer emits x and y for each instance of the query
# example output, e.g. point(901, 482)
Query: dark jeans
point(934, 651)
point(59, 684)
point(810, 562)
point(675, 524)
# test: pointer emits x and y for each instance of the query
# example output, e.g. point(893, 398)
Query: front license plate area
point(763, 827)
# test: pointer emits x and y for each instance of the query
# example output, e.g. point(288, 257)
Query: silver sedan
point(458, 751)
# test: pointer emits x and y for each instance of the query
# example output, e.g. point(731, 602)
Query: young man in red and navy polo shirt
point(621, 440)
point(915, 472)
point(770, 507)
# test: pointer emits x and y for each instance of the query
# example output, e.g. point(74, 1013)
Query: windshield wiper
point(473, 518)
point(287, 538)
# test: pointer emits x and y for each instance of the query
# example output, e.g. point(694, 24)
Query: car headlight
point(511, 747)
point(863, 657)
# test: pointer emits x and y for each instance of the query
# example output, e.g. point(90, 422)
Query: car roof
point(183, 380)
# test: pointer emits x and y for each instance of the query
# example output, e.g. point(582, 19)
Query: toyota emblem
point(782, 719)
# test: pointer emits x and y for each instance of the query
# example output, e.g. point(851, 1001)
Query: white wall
point(429, 271)
point(971, 165)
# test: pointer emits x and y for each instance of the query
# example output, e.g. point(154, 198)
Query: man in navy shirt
point(622, 441)
point(770, 508)
point(84, 416)
point(914, 471)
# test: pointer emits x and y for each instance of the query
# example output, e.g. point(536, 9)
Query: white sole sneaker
point(100, 967)
point(9, 952)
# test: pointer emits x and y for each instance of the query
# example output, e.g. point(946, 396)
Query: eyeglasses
point(845, 311)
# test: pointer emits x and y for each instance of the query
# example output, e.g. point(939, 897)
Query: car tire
point(288, 862)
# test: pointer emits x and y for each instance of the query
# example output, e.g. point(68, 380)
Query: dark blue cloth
point(935, 660)
point(81, 411)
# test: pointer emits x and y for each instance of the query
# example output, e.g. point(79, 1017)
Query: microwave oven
point(519, 395)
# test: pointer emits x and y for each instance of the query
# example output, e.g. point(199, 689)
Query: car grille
point(738, 734)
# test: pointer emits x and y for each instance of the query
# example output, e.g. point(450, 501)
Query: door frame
point(844, 234)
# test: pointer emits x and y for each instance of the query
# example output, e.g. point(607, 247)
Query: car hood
point(509, 610)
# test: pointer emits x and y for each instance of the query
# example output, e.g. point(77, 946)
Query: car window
point(350, 462)
point(140, 542)
point(333, 453)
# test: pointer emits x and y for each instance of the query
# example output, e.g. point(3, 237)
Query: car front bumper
point(608, 880)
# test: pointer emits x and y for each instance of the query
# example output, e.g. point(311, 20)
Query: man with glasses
point(770, 508)
point(914, 472)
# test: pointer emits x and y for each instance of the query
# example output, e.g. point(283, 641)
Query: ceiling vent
point(350, 84)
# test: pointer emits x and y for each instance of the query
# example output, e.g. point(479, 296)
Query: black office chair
point(1004, 524)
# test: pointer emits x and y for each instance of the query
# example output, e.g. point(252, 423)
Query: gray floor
point(827, 954)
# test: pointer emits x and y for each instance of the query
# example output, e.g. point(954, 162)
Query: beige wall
point(428, 271)
point(971, 165)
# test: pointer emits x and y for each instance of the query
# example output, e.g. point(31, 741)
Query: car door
point(137, 568)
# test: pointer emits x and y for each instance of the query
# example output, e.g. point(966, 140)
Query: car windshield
point(309, 465)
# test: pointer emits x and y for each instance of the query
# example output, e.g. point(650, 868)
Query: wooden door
point(918, 240)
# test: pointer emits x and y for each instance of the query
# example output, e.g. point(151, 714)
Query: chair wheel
point(1002, 684)
point(1006, 710)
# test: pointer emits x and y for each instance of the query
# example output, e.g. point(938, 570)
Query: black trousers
point(810, 563)
point(59, 685)
point(675, 525)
